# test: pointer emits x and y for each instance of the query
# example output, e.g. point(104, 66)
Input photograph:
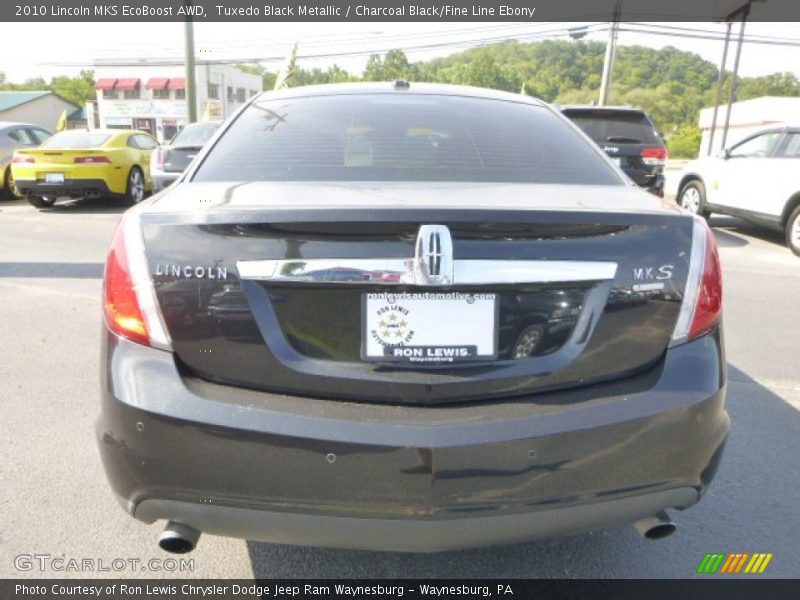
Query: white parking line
point(788, 391)
point(48, 290)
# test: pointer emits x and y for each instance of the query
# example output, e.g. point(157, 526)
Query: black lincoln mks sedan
point(408, 317)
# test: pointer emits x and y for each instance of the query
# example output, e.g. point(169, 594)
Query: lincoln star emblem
point(433, 257)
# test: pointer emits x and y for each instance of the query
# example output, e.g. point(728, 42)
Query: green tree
point(333, 74)
point(286, 74)
point(78, 90)
point(374, 69)
point(776, 84)
point(396, 66)
point(685, 143)
point(578, 96)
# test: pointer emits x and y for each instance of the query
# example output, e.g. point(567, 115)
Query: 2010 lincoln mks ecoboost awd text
point(408, 317)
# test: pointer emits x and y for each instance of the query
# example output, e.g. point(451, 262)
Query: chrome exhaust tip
point(656, 527)
point(178, 538)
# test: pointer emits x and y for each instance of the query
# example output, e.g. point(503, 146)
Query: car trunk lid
point(263, 290)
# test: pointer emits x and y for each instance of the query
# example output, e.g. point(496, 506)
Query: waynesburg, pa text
point(261, 591)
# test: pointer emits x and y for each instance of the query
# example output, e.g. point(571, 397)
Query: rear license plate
point(429, 327)
point(617, 160)
point(54, 178)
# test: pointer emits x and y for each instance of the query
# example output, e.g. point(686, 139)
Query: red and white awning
point(105, 84)
point(157, 83)
point(177, 83)
point(127, 85)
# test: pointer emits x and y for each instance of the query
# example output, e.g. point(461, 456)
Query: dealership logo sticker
point(393, 325)
point(734, 563)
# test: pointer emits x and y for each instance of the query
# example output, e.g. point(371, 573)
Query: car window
point(393, 137)
point(76, 139)
point(760, 146)
point(195, 134)
point(615, 126)
point(22, 136)
point(145, 142)
point(791, 147)
point(40, 135)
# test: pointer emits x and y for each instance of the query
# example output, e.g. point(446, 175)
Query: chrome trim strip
point(394, 271)
point(480, 272)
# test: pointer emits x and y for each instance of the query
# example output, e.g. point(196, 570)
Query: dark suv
point(629, 137)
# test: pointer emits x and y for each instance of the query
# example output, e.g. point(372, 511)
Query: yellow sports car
point(82, 163)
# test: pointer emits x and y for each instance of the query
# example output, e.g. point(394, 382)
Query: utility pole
point(720, 83)
point(732, 90)
point(611, 51)
point(191, 88)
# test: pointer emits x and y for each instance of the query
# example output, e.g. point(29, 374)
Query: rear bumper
point(330, 473)
point(411, 535)
point(74, 188)
point(651, 181)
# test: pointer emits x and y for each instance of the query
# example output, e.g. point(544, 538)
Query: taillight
point(708, 310)
point(702, 299)
point(82, 160)
point(130, 305)
point(158, 159)
point(123, 314)
point(655, 157)
point(21, 158)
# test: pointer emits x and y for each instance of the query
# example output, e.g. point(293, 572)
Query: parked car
point(16, 136)
point(754, 180)
point(86, 163)
point(629, 137)
point(170, 160)
point(470, 386)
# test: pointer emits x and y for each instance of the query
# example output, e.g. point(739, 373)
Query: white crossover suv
point(756, 179)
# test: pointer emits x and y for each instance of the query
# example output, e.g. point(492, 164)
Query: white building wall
point(44, 111)
point(747, 117)
point(166, 115)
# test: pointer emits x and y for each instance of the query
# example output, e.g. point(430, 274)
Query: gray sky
point(66, 48)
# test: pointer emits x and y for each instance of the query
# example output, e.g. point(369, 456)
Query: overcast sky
point(48, 49)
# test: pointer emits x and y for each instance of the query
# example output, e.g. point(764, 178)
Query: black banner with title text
point(445, 589)
point(395, 10)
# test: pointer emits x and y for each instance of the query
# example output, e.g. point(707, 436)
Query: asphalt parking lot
point(55, 501)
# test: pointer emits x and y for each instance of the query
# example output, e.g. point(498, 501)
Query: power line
point(537, 34)
point(697, 30)
point(272, 53)
point(338, 40)
point(714, 37)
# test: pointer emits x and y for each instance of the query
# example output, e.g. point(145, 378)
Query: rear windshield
point(620, 127)
point(391, 137)
point(195, 134)
point(76, 139)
